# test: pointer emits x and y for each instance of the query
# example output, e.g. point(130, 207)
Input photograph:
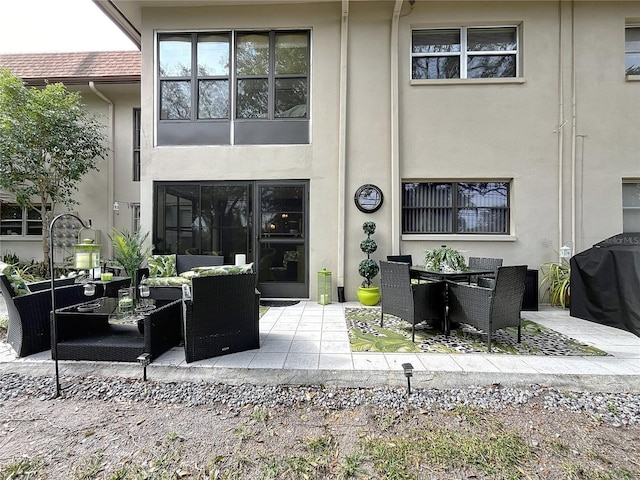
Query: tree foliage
point(48, 142)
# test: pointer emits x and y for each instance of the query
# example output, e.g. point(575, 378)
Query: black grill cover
point(605, 283)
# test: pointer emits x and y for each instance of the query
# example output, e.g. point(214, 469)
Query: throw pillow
point(18, 285)
point(162, 266)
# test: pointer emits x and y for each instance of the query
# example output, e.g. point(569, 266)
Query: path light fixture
point(408, 372)
point(565, 250)
point(89, 288)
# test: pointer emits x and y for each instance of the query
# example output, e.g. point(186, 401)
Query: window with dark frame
point(136, 144)
point(631, 206)
point(455, 208)
point(465, 53)
point(203, 83)
point(632, 50)
point(18, 221)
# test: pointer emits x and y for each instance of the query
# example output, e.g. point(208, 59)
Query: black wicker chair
point(221, 317)
point(484, 263)
point(29, 329)
point(400, 259)
point(489, 309)
point(413, 303)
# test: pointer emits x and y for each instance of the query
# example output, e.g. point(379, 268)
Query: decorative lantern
point(565, 250)
point(324, 287)
point(86, 255)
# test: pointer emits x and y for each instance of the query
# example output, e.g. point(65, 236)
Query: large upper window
point(465, 52)
point(136, 144)
point(16, 220)
point(455, 207)
point(257, 81)
point(632, 50)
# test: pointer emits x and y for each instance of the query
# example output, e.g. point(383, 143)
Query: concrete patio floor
point(307, 344)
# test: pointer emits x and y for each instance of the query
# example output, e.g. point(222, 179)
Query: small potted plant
point(368, 268)
point(445, 259)
point(556, 279)
point(129, 250)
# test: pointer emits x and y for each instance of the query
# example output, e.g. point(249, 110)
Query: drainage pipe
point(342, 147)
point(110, 164)
point(395, 134)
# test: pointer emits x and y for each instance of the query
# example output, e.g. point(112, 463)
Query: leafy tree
point(48, 142)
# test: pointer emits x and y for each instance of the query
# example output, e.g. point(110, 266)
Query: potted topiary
point(445, 259)
point(368, 294)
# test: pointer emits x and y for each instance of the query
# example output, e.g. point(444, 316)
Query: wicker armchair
point(413, 303)
point(484, 263)
point(29, 328)
point(489, 309)
point(221, 317)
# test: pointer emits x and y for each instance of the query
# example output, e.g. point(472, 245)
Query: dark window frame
point(416, 218)
point(137, 127)
point(274, 129)
point(27, 224)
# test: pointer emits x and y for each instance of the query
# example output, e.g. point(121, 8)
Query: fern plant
point(556, 280)
point(445, 259)
point(129, 249)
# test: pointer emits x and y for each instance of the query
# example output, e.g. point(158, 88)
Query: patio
point(308, 344)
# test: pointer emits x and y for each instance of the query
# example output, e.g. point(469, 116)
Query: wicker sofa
point(29, 329)
point(170, 287)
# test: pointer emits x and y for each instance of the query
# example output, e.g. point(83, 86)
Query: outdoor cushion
point(162, 266)
point(15, 280)
point(166, 281)
point(223, 270)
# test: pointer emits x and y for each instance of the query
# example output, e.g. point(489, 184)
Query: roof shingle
point(81, 67)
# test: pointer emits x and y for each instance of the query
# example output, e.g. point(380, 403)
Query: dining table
point(421, 272)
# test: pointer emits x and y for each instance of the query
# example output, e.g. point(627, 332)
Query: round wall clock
point(368, 198)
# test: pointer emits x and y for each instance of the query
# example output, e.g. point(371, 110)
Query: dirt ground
point(67, 438)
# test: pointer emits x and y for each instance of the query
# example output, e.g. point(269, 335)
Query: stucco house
point(506, 129)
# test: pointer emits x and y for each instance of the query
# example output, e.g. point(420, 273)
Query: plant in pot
point(556, 280)
point(129, 250)
point(368, 268)
point(445, 259)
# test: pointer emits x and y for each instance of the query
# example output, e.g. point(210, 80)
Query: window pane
point(213, 99)
point(175, 100)
point(11, 219)
point(632, 64)
point(436, 41)
point(291, 53)
point(491, 66)
point(492, 194)
point(252, 54)
point(632, 39)
point(213, 55)
point(291, 98)
point(252, 98)
point(435, 67)
point(631, 195)
point(175, 55)
point(492, 39)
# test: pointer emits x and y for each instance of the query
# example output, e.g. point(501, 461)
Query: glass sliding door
point(281, 237)
point(266, 221)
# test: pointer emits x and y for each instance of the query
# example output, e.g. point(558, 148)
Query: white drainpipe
point(110, 165)
point(342, 146)
point(395, 134)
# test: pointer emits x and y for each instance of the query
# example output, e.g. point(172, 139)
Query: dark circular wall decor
point(368, 198)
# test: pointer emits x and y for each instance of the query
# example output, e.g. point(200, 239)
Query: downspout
point(573, 129)
point(395, 134)
point(561, 122)
point(110, 164)
point(342, 147)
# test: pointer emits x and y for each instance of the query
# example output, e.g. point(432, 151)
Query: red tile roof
point(74, 68)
